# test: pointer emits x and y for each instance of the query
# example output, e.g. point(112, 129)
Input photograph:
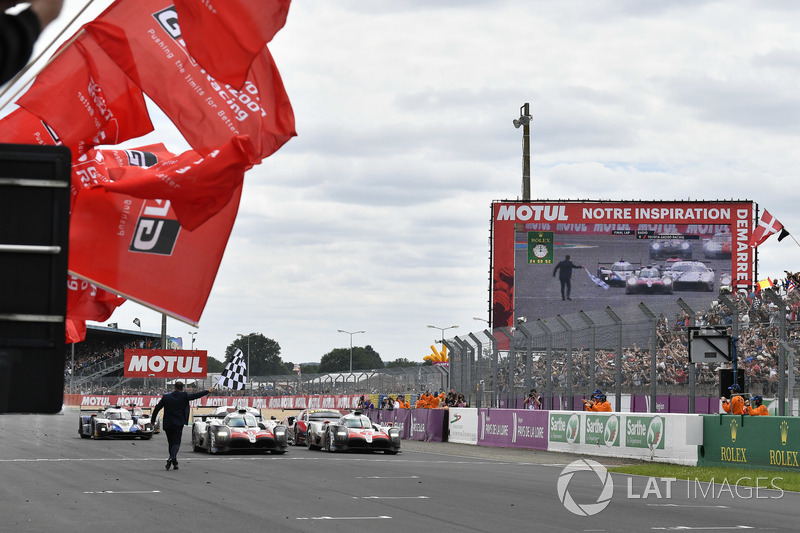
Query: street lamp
point(192, 333)
point(241, 336)
point(351, 333)
point(524, 120)
point(481, 319)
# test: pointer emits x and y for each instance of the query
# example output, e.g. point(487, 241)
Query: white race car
point(229, 428)
point(354, 431)
point(116, 421)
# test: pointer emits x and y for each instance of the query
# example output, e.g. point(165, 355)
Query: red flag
point(138, 249)
point(767, 225)
point(143, 38)
point(75, 331)
point(86, 99)
point(86, 302)
point(197, 187)
point(241, 29)
point(23, 127)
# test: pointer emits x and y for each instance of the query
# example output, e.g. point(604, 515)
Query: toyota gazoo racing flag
point(241, 29)
point(144, 38)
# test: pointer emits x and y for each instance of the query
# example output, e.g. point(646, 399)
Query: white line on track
point(123, 492)
point(687, 505)
point(387, 477)
point(343, 518)
point(192, 458)
point(390, 497)
point(709, 528)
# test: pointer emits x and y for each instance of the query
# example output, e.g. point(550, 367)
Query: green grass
point(745, 477)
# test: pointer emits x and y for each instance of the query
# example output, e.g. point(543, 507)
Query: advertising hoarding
point(165, 363)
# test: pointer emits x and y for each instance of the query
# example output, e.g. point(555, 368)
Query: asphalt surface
point(54, 481)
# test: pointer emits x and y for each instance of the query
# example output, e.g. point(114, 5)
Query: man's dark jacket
point(176, 408)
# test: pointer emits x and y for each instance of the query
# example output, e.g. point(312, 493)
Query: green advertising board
point(751, 441)
point(602, 430)
point(644, 432)
point(565, 428)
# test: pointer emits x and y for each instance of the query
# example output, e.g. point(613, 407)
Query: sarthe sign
point(165, 363)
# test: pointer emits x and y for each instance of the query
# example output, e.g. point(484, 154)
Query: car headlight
point(394, 434)
point(341, 432)
point(279, 431)
point(222, 433)
point(685, 245)
point(656, 246)
point(667, 281)
point(631, 281)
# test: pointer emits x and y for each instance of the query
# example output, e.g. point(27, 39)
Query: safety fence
point(639, 349)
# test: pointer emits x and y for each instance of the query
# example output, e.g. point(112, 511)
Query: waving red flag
point(198, 187)
point(144, 39)
point(241, 29)
point(137, 248)
point(86, 99)
point(23, 127)
point(767, 225)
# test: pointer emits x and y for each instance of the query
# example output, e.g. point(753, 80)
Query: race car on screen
point(298, 425)
point(354, 431)
point(115, 421)
point(649, 280)
point(230, 428)
point(615, 274)
point(661, 249)
point(718, 246)
point(691, 276)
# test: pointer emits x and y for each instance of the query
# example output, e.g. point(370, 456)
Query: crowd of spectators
point(757, 349)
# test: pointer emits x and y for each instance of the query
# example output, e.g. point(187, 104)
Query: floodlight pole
point(351, 333)
point(524, 120)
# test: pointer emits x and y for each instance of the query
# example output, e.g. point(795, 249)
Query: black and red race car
point(298, 424)
point(354, 431)
point(230, 428)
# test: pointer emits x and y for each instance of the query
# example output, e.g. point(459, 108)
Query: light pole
point(524, 120)
point(192, 333)
point(241, 336)
point(443, 346)
point(351, 333)
point(481, 319)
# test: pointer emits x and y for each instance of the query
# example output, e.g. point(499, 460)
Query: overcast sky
point(376, 217)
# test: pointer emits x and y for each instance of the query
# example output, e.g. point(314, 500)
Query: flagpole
point(22, 72)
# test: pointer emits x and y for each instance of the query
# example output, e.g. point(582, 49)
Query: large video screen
point(552, 258)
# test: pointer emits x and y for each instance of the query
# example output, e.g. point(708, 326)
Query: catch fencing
point(629, 350)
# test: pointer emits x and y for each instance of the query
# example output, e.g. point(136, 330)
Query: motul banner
point(165, 363)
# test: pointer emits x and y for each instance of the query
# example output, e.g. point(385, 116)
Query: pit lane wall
point(751, 441)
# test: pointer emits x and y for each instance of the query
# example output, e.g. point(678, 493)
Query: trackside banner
point(165, 363)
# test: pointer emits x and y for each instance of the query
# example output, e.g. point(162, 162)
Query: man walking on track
point(176, 415)
point(564, 269)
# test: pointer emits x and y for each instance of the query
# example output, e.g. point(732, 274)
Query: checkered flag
point(235, 374)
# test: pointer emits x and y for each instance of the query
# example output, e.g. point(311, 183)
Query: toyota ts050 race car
point(354, 431)
point(229, 428)
point(661, 249)
point(649, 280)
point(298, 425)
point(691, 275)
point(116, 421)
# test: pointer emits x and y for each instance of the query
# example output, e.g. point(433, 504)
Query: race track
point(54, 481)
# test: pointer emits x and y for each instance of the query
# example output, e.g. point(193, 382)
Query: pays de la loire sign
point(165, 363)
